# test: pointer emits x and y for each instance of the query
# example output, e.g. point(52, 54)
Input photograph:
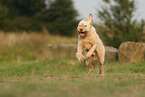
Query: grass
point(66, 78)
point(24, 71)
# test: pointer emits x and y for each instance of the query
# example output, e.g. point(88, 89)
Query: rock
point(69, 50)
point(131, 52)
point(111, 54)
point(61, 50)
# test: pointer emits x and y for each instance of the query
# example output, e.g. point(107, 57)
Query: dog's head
point(84, 26)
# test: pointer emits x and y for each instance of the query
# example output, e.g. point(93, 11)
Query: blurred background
point(28, 26)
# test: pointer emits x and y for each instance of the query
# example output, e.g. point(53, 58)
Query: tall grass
point(28, 46)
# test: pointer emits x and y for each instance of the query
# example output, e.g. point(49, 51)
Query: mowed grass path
point(66, 78)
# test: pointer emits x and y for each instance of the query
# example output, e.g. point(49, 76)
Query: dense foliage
point(59, 16)
point(119, 22)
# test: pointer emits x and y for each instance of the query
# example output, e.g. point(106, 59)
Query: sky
point(85, 7)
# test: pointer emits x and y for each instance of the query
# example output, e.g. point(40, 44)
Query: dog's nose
point(81, 30)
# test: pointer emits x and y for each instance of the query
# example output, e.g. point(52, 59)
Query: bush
point(119, 23)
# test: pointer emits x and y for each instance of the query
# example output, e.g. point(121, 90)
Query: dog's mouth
point(83, 34)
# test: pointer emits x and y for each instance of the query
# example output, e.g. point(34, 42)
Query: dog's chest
point(87, 45)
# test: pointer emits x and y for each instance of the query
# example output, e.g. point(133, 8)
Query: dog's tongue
point(82, 34)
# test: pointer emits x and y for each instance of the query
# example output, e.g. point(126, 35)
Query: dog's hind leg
point(89, 62)
point(101, 62)
point(101, 57)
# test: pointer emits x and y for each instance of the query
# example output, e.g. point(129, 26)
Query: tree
point(24, 7)
point(22, 14)
point(118, 18)
point(3, 15)
point(61, 16)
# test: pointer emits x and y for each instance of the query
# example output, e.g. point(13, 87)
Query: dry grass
point(28, 46)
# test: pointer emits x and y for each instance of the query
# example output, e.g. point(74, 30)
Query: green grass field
point(66, 78)
point(23, 75)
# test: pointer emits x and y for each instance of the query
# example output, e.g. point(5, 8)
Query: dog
point(89, 40)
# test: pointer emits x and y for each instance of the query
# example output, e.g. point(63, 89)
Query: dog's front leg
point(90, 51)
point(79, 54)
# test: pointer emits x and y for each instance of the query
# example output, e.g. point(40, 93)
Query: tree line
point(60, 17)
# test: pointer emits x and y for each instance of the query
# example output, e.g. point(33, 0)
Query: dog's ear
point(90, 19)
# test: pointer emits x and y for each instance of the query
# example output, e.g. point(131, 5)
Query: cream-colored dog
point(89, 40)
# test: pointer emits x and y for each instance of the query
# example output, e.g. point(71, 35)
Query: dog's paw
point(86, 57)
point(81, 59)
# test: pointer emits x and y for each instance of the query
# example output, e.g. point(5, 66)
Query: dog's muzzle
point(83, 34)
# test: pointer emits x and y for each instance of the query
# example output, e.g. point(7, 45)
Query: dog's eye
point(85, 25)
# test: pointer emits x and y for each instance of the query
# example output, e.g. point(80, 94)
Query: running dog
point(89, 40)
